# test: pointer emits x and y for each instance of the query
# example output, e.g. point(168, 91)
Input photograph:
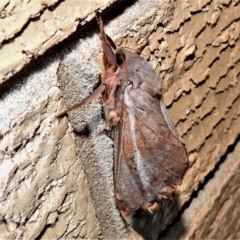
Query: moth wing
point(151, 158)
point(156, 136)
point(162, 155)
point(128, 188)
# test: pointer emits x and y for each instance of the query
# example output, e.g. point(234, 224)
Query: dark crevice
point(190, 57)
point(115, 9)
point(175, 30)
point(200, 32)
point(201, 186)
point(227, 26)
point(54, 6)
point(41, 234)
point(214, 60)
point(199, 84)
point(236, 3)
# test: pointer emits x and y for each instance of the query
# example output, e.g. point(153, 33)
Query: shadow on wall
point(150, 226)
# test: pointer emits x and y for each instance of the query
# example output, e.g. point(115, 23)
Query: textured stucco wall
point(55, 175)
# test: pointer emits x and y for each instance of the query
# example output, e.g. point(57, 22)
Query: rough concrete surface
point(55, 176)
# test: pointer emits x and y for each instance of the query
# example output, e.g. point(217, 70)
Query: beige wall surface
point(56, 178)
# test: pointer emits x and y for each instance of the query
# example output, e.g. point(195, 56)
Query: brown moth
point(150, 158)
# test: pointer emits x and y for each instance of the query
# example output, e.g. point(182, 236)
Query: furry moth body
point(150, 158)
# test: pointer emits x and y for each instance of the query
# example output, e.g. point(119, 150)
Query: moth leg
point(112, 121)
point(96, 94)
point(114, 117)
point(167, 194)
point(153, 207)
point(106, 125)
point(126, 215)
point(149, 206)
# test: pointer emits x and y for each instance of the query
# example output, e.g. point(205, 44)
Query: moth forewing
point(169, 122)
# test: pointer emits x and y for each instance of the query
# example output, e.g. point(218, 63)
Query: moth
point(150, 158)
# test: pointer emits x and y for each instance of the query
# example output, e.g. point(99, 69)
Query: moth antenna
point(107, 43)
point(133, 50)
point(102, 31)
point(99, 19)
point(142, 46)
point(139, 49)
point(86, 101)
